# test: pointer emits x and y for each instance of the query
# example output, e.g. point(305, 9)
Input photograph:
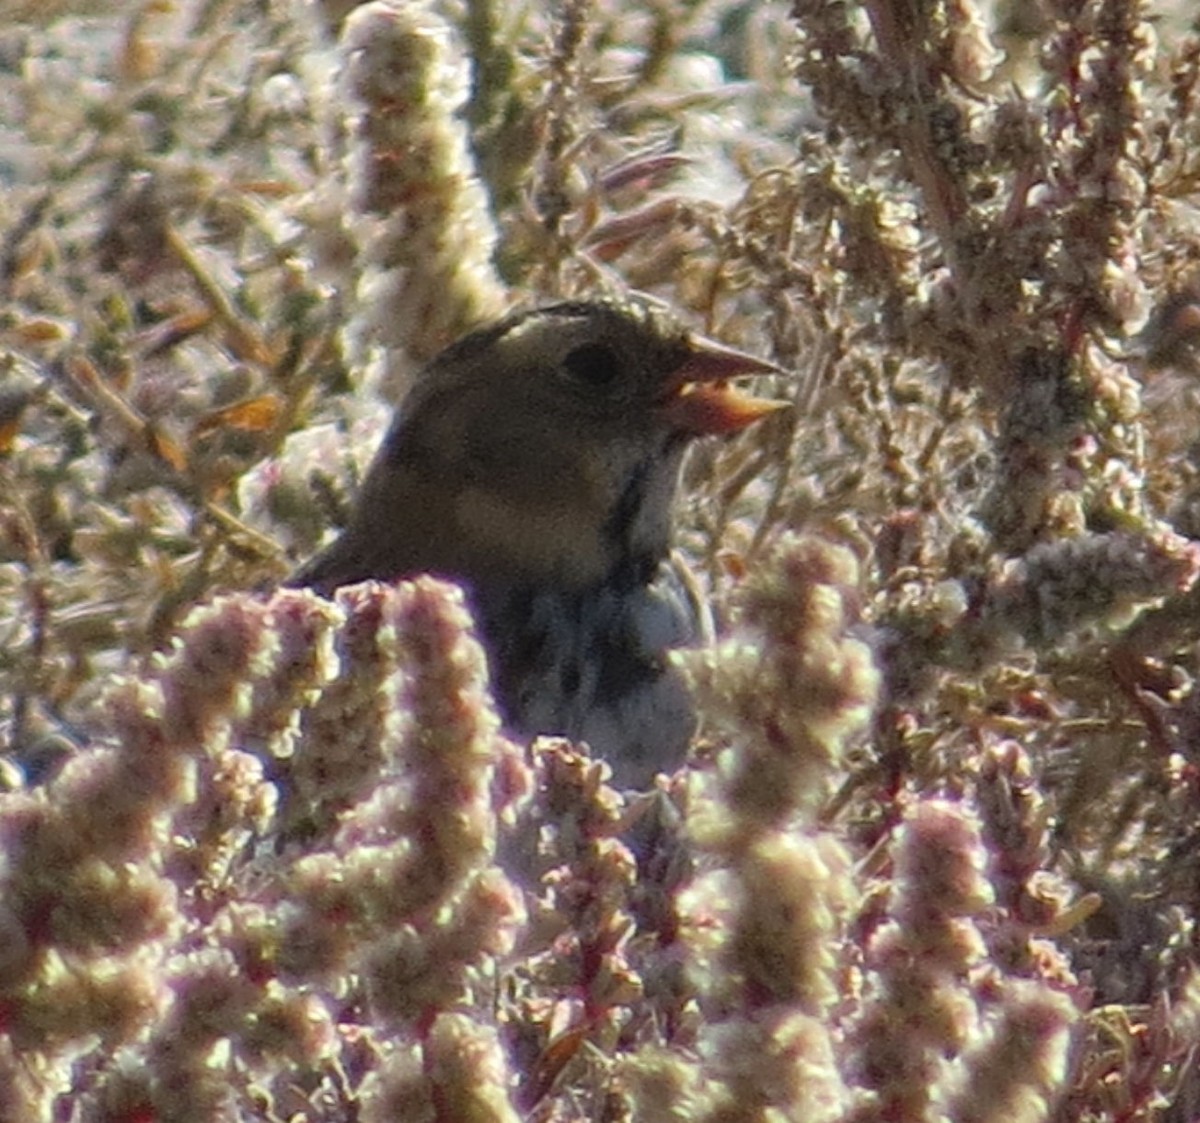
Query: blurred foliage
point(970, 231)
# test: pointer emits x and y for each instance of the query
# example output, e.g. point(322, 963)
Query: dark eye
point(593, 364)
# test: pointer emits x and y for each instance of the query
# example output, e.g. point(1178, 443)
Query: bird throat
point(543, 543)
point(575, 538)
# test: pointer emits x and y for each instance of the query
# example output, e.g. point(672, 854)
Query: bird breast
point(593, 666)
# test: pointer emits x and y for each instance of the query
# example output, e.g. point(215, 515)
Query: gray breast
point(592, 666)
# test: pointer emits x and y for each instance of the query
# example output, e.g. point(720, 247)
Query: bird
point(536, 463)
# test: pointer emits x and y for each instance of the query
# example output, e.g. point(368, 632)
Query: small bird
point(536, 462)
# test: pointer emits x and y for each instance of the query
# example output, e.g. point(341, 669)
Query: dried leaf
point(166, 449)
point(9, 428)
point(30, 332)
point(256, 415)
point(554, 1058)
point(246, 344)
point(177, 329)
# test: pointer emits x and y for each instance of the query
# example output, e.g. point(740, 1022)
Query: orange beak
point(698, 401)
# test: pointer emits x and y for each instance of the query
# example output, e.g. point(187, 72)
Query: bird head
point(544, 448)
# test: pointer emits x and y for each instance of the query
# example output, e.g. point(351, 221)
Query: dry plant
point(937, 856)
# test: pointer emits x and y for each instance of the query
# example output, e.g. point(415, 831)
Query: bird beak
point(698, 400)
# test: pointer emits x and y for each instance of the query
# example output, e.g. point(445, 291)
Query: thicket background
point(943, 827)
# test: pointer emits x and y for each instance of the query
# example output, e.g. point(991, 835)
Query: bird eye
point(593, 364)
